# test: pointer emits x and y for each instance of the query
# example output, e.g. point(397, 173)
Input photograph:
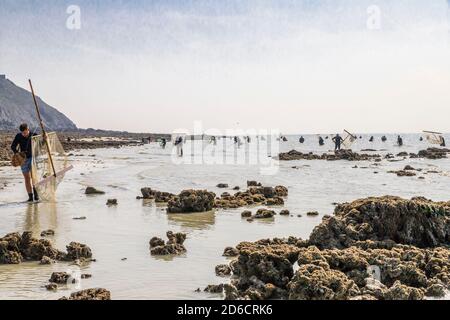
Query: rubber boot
point(30, 197)
point(36, 196)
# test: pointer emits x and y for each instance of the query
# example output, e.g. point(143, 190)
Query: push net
point(47, 176)
point(434, 137)
point(348, 139)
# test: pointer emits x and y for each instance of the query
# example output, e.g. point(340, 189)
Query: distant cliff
point(16, 106)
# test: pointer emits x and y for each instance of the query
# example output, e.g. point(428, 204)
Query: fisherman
point(442, 141)
point(301, 140)
point(179, 144)
point(399, 141)
point(23, 141)
point(321, 142)
point(337, 142)
point(163, 143)
point(371, 139)
point(383, 138)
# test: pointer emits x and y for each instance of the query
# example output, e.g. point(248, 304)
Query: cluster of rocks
point(111, 202)
point(433, 153)
point(15, 248)
point(63, 278)
point(189, 201)
point(158, 196)
point(419, 222)
point(375, 248)
point(269, 196)
point(89, 294)
point(348, 155)
point(430, 153)
point(262, 214)
point(172, 247)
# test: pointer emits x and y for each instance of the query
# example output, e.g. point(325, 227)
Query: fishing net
point(434, 138)
point(47, 176)
point(348, 139)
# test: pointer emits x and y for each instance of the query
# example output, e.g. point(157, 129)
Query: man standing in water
point(337, 142)
point(179, 144)
point(400, 141)
point(23, 141)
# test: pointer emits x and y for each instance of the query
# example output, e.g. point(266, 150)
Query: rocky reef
point(15, 248)
point(384, 248)
point(348, 155)
point(269, 196)
point(173, 246)
point(418, 222)
point(433, 153)
point(189, 201)
point(89, 294)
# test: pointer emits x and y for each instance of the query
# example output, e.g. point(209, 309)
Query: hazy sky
point(297, 66)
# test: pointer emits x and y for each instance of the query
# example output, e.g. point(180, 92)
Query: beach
point(119, 235)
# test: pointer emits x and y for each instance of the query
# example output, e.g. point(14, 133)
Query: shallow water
point(124, 231)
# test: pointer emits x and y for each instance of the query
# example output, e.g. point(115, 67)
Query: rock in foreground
point(90, 294)
point(384, 248)
point(15, 248)
point(419, 222)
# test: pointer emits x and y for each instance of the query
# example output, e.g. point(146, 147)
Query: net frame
point(348, 139)
point(47, 176)
point(434, 137)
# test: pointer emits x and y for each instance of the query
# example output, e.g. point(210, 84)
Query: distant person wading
point(321, 141)
point(179, 144)
point(22, 144)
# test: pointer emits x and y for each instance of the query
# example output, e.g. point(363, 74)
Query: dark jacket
point(23, 143)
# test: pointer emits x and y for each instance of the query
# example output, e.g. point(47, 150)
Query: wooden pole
point(432, 132)
point(350, 134)
point(44, 135)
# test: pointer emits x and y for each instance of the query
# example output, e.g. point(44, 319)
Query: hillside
point(16, 106)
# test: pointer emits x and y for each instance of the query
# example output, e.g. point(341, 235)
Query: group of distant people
point(338, 141)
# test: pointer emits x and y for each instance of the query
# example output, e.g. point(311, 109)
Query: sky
point(295, 66)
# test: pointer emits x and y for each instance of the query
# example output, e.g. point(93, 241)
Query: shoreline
point(73, 141)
